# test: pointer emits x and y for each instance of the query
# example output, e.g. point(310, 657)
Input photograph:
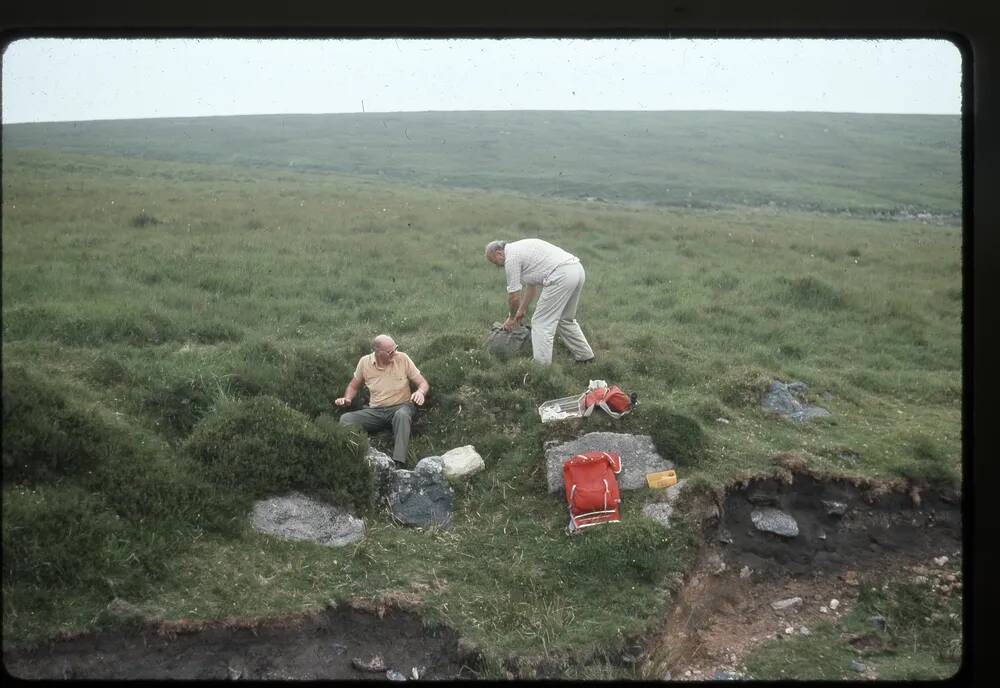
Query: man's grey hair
point(493, 247)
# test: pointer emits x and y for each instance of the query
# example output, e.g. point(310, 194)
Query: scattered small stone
point(375, 664)
point(415, 673)
point(851, 578)
point(394, 675)
point(723, 676)
point(785, 604)
point(667, 676)
point(941, 561)
point(338, 648)
point(824, 610)
point(789, 630)
point(877, 622)
point(835, 508)
point(722, 420)
point(725, 536)
point(821, 535)
point(745, 572)
point(858, 666)
point(804, 631)
point(687, 673)
point(920, 580)
point(834, 604)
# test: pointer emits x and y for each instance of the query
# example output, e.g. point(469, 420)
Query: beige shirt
point(390, 385)
point(531, 261)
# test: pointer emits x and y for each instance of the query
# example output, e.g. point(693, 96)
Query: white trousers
point(556, 312)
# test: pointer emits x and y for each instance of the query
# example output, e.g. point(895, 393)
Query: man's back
point(529, 261)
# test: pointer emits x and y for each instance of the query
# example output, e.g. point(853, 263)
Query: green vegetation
point(921, 638)
point(178, 319)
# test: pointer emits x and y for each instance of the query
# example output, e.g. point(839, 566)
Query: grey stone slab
point(775, 521)
point(296, 517)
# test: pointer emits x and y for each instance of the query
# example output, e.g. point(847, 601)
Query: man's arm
point(513, 307)
point(529, 292)
point(422, 388)
point(352, 390)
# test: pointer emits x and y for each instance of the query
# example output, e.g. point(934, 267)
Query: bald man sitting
point(388, 373)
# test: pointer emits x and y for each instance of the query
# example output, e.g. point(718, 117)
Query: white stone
point(940, 561)
point(834, 604)
point(823, 610)
point(785, 604)
point(789, 630)
point(462, 461)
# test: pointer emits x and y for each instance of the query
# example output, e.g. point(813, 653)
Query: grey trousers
point(556, 312)
point(377, 418)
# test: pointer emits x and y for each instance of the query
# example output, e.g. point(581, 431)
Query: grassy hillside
point(148, 303)
point(855, 163)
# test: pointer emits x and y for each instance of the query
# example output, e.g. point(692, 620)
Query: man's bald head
point(383, 342)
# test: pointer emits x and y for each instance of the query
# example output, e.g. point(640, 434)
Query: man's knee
point(404, 414)
point(349, 419)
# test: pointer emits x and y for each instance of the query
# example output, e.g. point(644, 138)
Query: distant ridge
point(830, 162)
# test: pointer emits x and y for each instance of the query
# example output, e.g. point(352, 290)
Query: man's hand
point(342, 401)
point(417, 398)
point(509, 323)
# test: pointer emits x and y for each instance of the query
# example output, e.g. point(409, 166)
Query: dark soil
point(872, 526)
point(319, 647)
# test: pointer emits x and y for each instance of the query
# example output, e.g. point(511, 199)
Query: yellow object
point(661, 479)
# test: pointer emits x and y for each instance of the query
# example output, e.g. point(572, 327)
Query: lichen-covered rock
point(296, 517)
point(422, 497)
point(775, 521)
point(788, 401)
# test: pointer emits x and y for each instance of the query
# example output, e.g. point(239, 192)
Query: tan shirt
point(390, 385)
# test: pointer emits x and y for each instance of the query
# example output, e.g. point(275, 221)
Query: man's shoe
point(587, 360)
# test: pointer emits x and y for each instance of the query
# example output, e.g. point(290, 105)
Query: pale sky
point(47, 80)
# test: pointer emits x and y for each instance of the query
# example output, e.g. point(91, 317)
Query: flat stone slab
point(297, 517)
point(788, 401)
point(775, 521)
point(638, 454)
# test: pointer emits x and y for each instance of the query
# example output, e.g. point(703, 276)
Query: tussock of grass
point(262, 446)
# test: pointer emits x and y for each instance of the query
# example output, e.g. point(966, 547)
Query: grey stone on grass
point(422, 497)
point(661, 510)
point(788, 401)
point(775, 521)
point(296, 517)
point(462, 461)
point(858, 666)
point(638, 454)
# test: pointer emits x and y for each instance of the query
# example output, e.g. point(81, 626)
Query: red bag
point(591, 489)
point(614, 401)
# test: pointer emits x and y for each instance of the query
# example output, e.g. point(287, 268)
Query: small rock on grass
point(393, 675)
point(858, 666)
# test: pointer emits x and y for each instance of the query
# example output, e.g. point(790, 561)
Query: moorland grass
point(128, 351)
